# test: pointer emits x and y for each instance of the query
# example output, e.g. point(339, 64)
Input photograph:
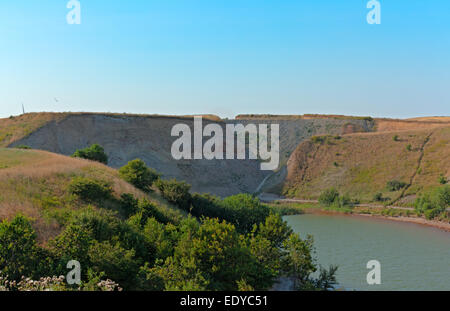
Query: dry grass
point(389, 125)
point(34, 183)
point(361, 164)
point(304, 116)
point(15, 128)
point(18, 127)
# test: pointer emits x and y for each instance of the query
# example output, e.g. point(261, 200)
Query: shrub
point(176, 192)
point(433, 203)
point(244, 211)
point(378, 197)
point(128, 203)
point(22, 147)
point(138, 174)
point(117, 263)
point(147, 209)
point(442, 179)
point(90, 190)
point(18, 249)
point(328, 197)
point(95, 153)
point(207, 205)
point(409, 147)
point(395, 138)
point(395, 185)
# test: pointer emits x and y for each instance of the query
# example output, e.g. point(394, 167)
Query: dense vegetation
point(332, 198)
point(433, 204)
point(230, 244)
point(138, 174)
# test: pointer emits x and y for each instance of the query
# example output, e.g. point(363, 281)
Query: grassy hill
point(362, 164)
point(35, 184)
point(18, 127)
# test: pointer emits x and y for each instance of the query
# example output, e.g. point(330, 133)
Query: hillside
point(55, 211)
point(148, 137)
point(126, 137)
point(361, 164)
point(35, 184)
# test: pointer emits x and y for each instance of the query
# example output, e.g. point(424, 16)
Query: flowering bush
point(52, 284)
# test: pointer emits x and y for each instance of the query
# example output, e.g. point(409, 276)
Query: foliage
point(90, 190)
point(433, 203)
point(244, 211)
point(19, 254)
point(95, 153)
point(176, 192)
point(395, 185)
point(329, 196)
point(138, 174)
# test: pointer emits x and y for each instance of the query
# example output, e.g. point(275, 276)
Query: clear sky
point(226, 57)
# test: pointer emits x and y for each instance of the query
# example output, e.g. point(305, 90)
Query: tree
point(299, 262)
point(138, 174)
point(218, 251)
point(72, 244)
point(244, 211)
point(18, 249)
point(95, 153)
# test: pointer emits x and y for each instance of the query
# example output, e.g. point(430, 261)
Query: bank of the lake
point(412, 257)
point(394, 214)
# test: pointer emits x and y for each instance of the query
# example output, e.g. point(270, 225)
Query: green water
point(412, 257)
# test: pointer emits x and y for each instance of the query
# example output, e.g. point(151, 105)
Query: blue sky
point(226, 57)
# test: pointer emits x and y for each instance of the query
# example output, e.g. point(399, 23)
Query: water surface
point(412, 257)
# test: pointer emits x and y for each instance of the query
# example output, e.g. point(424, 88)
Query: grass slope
point(17, 127)
point(35, 183)
point(361, 164)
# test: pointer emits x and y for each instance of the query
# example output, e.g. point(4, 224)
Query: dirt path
point(270, 198)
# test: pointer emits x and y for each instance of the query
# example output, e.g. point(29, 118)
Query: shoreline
point(414, 220)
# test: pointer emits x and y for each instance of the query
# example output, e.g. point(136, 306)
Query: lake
point(412, 257)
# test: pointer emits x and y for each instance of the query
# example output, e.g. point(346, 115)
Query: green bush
point(95, 153)
point(244, 211)
point(19, 253)
point(176, 192)
point(395, 185)
point(207, 205)
point(442, 179)
point(329, 196)
point(129, 204)
point(138, 174)
point(90, 190)
point(433, 203)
